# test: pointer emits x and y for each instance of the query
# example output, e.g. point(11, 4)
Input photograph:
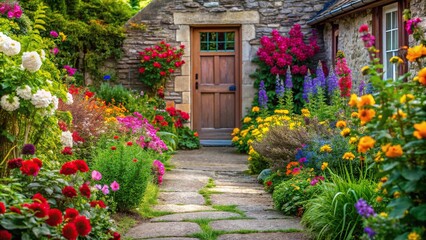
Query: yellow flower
point(241, 142)
point(406, 98)
point(364, 70)
point(365, 144)
point(281, 111)
point(268, 119)
point(366, 100)
point(259, 120)
point(422, 76)
point(341, 124)
point(235, 139)
point(247, 119)
point(415, 52)
point(244, 132)
point(353, 140)
point(255, 132)
point(379, 199)
point(394, 151)
point(378, 158)
point(383, 215)
point(414, 236)
point(63, 36)
point(420, 130)
point(348, 156)
point(396, 59)
point(326, 148)
point(250, 141)
point(399, 114)
point(365, 115)
point(384, 179)
point(354, 115)
point(305, 112)
point(255, 109)
point(235, 131)
point(345, 132)
point(249, 158)
point(396, 194)
point(353, 101)
point(324, 166)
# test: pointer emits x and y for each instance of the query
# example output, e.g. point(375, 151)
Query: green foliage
point(331, 213)
point(130, 166)
point(257, 163)
point(169, 139)
point(187, 139)
point(318, 106)
point(114, 94)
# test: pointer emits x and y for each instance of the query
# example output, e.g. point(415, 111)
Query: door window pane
point(217, 41)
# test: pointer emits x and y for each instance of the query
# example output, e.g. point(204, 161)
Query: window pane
point(230, 36)
point(213, 46)
point(394, 20)
point(230, 46)
point(388, 41)
point(395, 40)
point(212, 36)
point(203, 46)
point(221, 46)
point(221, 36)
point(203, 36)
point(388, 21)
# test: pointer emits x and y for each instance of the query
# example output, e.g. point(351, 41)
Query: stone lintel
point(244, 17)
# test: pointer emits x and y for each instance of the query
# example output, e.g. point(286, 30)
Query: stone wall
point(170, 20)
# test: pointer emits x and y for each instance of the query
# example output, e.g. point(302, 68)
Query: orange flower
point(415, 52)
point(354, 115)
point(365, 115)
point(353, 101)
point(394, 151)
point(420, 130)
point(366, 100)
point(422, 76)
point(345, 132)
point(341, 124)
point(195, 134)
point(365, 143)
point(399, 114)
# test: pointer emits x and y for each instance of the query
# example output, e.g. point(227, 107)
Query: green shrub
point(257, 163)
point(331, 214)
point(188, 139)
point(130, 166)
point(114, 94)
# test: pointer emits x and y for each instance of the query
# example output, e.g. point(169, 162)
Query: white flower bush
point(8, 105)
point(43, 55)
point(41, 99)
point(70, 99)
point(55, 103)
point(31, 61)
point(3, 40)
point(66, 139)
point(24, 92)
point(11, 47)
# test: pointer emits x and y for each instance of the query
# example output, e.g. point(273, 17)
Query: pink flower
point(105, 189)
point(54, 34)
point(96, 175)
point(363, 28)
point(114, 186)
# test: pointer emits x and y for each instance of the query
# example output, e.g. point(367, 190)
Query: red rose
point(171, 70)
point(69, 231)
point(29, 168)
point(15, 210)
point(129, 143)
point(171, 111)
point(141, 70)
point(67, 151)
point(68, 168)
point(69, 191)
point(89, 94)
point(116, 137)
point(163, 73)
point(81, 165)
point(99, 203)
point(5, 235)
point(82, 224)
point(156, 65)
point(2, 208)
point(184, 115)
point(76, 137)
point(113, 148)
point(116, 236)
point(55, 217)
point(70, 214)
point(62, 125)
point(14, 163)
point(39, 198)
point(85, 190)
point(269, 183)
point(40, 209)
point(38, 162)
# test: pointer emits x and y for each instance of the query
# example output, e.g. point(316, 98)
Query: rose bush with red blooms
point(2, 208)
point(85, 190)
point(68, 168)
point(82, 225)
point(5, 235)
point(30, 168)
point(67, 151)
point(69, 231)
point(54, 217)
point(14, 163)
point(81, 165)
point(69, 191)
point(158, 63)
point(98, 203)
point(70, 214)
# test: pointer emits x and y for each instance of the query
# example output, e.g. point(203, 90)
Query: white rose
point(42, 54)
point(24, 92)
point(55, 103)
point(7, 105)
point(31, 61)
point(3, 40)
point(11, 47)
point(41, 99)
point(70, 99)
point(66, 139)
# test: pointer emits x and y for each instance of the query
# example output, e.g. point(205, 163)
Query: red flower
point(69, 168)
point(15, 210)
point(184, 115)
point(70, 214)
point(40, 209)
point(69, 191)
point(55, 217)
point(81, 165)
point(76, 137)
point(269, 183)
point(141, 70)
point(85, 190)
point(73, 90)
point(89, 94)
point(2, 208)
point(5, 235)
point(14, 163)
point(156, 65)
point(82, 225)
point(363, 28)
point(67, 151)
point(171, 111)
point(135, 160)
point(29, 168)
point(163, 73)
point(69, 231)
point(196, 134)
point(116, 236)
point(113, 148)
point(38, 162)
point(178, 124)
point(99, 203)
point(62, 125)
point(116, 137)
point(39, 198)
point(171, 70)
point(129, 143)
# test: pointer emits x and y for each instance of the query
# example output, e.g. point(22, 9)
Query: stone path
point(239, 208)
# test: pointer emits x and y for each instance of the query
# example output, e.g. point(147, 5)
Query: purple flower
point(263, 98)
point(98, 186)
point(320, 77)
point(288, 79)
point(332, 82)
point(364, 209)
point(28, 149)
point(115, 186)
point(105, 189)
point(370, 232)
point(302, 160)
point(279, 87)
point(307, 86)
point(55, 51)
point(54, 34)
point(361, 88)
point(71, 71)
point(96, 175)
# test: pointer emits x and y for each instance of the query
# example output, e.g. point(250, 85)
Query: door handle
point(196, 85)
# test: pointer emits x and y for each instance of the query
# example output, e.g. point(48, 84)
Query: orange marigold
point(416, 52)
point(366, 100)
point(422, 76)
point(365, 143)
point(365, 115)
point(420, 131)
point(394, 151)
point(353, 101)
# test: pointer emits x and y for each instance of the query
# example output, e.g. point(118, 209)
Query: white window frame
point(389, 9)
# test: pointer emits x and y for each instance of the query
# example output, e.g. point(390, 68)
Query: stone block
point(187, 50)
point(182, 84)
point(186, 68)
point(248, 32)
point(246, 51)
point(183, 33)
point(186, 97)
point(245, 17)
point(248, 92)
point(184, 107)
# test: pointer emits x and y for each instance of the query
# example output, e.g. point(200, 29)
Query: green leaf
point(390, 166)
point(419, 212)
point(412, 174)
point(400, 205)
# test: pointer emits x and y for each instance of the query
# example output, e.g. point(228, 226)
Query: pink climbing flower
point(115, 186)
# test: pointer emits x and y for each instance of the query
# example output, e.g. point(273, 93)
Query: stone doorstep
point(195, 215)
point(256, 225)
point(163, 229)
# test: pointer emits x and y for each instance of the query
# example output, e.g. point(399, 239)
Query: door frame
point(238, 70)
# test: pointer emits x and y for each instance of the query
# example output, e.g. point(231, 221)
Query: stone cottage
point(221, 38)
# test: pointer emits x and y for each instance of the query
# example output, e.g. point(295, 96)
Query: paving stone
point(265, 214)
point(180, 198)
point(195, 215)
point(163, 229)
point(256, 225)
point(238, 189)
point(241, 200)
point(264, 236)
point(175, 208)
point(174, 238)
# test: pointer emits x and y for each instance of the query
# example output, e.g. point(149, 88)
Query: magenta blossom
point(54, 34)
point(105, 189)
point(71, 71)
point(55, 51)
point(96, 175)
point(115, 186)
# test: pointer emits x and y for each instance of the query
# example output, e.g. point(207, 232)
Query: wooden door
point(216, 81)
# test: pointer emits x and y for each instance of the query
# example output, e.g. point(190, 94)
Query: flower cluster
point(159, 62)
point(344, 73)
point(364, 209)
point(11, 9)
point(159, 170)
point(263, 97)
point(178, 117)
point(8, 46)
